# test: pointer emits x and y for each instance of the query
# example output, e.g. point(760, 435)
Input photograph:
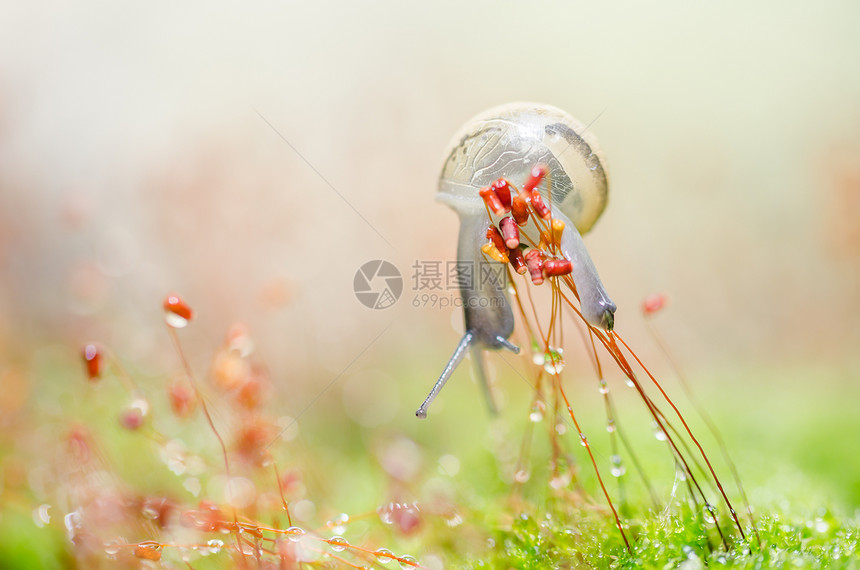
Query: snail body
point(536, 228)
point(506, 143)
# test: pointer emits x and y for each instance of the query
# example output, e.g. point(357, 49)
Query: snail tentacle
point(595, 304)
point(458, 355)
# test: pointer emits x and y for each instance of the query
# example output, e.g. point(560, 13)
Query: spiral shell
point(507, 141)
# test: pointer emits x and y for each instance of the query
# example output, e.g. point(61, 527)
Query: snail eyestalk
point(453, 362)
point(597, 308)
point(467, 342)
point(505, 343)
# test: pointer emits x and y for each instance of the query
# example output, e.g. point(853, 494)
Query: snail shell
point(508, 141)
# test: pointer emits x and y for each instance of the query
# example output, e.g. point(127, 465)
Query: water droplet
point(553, 361)
point(338, 524)
point(560, 428)
point(407, 562)
point(583, 440)
point(610, 425)
point(295, 533)
point(338, 543)
point(193, 485)
point(538, 358)
point(454, 520)
point(617, 469)
point(148, 550)
point(709, 514)
point(175, 320)
point(112, 547)
point(140, 404)
point(560, 481)
point(630, 383)
point(215, 545)
point(384, 513)
point(73, 522)
point(660, 435)
point(536, 414)
point(42, 515)
point(521, 476)
point(383, 556)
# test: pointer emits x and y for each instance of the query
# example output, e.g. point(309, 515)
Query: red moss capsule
point(534, 263)
point(536, 177)
point(230, 369)
point(183, 399)
point(250, 393)
point(494, 253)
point(510, 232)
point(131, 418)
point(496, 238)
point(518, 262)
point(654, 303)
point(176, 312)
point(491, 199)
point(520, 209)
point(157, 509)
point(406, 518)
point(80, 444)
point(557, 267)
point(93, 359)
point(539, 206)
point(208, 517)
point(503, 190)
point(252, 439)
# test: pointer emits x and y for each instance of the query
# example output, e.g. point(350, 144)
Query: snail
point(564, 168)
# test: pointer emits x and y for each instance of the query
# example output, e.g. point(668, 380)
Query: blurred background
point(253, 157)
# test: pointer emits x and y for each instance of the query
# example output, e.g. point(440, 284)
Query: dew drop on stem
point(338, 543)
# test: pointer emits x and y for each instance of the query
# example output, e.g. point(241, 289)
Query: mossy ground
point(794, 455)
